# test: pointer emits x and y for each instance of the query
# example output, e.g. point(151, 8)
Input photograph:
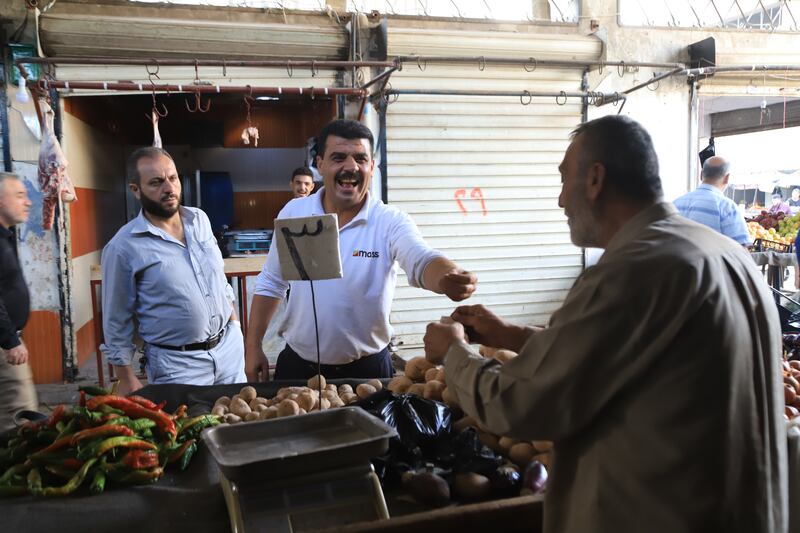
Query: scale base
point(306, 503)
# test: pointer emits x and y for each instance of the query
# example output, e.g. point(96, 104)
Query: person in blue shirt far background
point(709, 206)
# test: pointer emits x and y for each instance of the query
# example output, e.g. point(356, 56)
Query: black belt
point(204, 345)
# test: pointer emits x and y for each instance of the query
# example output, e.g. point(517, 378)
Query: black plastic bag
point(425, 437)
point(707, 152)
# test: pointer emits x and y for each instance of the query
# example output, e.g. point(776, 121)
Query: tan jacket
point(659, 382)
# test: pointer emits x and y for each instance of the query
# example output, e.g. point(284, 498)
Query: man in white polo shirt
point(353, 312)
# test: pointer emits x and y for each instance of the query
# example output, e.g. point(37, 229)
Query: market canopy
point(766, 180)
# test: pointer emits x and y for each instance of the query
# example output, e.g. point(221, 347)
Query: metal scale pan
point(301, 473)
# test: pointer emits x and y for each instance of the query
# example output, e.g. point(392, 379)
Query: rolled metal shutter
point(141, 30)
point(479, 175)
point(197, 32)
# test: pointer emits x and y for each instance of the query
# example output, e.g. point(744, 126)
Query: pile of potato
point(791, 389)
point(247, 406)
point(425, 379)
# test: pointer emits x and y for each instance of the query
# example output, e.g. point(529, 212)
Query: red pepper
point(101, 431)
point(57, 445)
point(134, 410)
point(161, 404)
point(177, 454)
point(82, 401)
point(109, 416)
point(180, 412)
point(56, 416)
point(72, 464)
point(140, 459)
point(144, 402)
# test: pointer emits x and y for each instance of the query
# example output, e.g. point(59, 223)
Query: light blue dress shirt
point(174, 293)
point(708, 206)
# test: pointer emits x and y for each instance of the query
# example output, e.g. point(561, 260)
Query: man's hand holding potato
point(484, 327)
point(439, 336)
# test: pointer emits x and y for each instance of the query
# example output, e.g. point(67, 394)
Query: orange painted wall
point(258, 209)
point(94, 219)
point(42, 335)
point(85, 342)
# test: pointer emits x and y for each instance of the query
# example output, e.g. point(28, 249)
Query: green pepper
point(34, 481)
point(187, 455)
point(193, 426)
point(69, 429)
point(72, 484)
point(94, 391)
point(98, 481)
point(59, 471)
point(18, 453)
point(120, 420)
point(21, 468)
point(138, 477)
point(123, 442)
point(107, 409)
point(137, 425)
point(86, 415)
point(142, 424)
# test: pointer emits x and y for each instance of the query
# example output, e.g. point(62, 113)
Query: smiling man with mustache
point(353, 311)
point(164, 270)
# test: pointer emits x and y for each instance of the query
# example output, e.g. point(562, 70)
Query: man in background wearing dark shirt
point(16, 380)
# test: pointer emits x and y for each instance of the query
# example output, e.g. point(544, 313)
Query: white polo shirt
point(352, 312)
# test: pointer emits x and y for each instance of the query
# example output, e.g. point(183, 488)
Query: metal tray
point(297, 445)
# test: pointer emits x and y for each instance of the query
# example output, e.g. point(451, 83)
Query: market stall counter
point(193, 500)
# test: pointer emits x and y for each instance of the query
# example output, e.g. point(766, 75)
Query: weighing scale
point(301, 473)
point(306, 503)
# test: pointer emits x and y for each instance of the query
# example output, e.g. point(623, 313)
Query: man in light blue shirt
point(164, 271)
point(708, 206)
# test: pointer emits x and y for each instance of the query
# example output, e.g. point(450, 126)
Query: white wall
point(665, 115)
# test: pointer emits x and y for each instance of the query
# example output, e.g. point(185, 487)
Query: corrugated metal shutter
point(235, 76)
point(439, 145)
point(200, 32)
point(84, 29)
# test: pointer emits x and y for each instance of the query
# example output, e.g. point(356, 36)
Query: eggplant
point(535, 478)
point(506, 482)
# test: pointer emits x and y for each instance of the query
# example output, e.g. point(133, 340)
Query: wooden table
point(235, 267)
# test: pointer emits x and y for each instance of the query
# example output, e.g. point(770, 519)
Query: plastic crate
point(764, 245)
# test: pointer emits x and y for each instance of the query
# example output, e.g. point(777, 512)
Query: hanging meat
point(250, 132)
point(53, 178)
point(156, 135)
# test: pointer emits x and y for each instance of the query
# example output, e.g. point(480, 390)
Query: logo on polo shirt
point(364, 253)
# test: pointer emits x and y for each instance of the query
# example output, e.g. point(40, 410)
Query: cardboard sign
point(308, 247)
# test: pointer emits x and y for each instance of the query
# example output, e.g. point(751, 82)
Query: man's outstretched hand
point(458, 284)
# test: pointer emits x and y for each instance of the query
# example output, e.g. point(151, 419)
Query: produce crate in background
point(765, 245)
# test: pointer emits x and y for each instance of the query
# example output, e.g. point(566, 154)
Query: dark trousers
point(292, 366)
